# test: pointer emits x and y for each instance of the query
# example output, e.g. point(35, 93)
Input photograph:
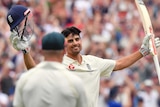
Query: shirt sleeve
point(105, 66)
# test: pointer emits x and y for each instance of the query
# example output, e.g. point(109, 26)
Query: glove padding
point(145, 48)
point(18, 43)
point(157, 42)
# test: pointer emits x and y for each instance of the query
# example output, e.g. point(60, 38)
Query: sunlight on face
point(73, 44)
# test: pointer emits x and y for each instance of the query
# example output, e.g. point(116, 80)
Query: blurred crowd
point(110, 29)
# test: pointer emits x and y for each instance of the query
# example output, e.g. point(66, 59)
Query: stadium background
point(110, 29)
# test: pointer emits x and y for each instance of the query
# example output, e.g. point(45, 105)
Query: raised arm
point(23, 45)
point(127, 61)
point(19, 18)
point(28, 60)
point(131, 59)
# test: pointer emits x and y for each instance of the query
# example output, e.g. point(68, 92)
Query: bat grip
point(152, 46)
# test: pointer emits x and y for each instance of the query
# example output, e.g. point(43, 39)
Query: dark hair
point(71, 30)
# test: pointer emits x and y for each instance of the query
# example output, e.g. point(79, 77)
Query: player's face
point(73, 44)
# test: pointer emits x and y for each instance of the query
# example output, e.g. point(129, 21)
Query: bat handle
point(152, 47)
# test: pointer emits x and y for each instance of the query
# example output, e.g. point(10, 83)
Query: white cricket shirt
point(49, 84)
point(90, 71)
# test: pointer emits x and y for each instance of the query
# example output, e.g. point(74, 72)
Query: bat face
point(144, 16)
point(148, 30)
point(147, 25)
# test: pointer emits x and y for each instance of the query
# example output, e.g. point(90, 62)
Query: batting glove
point(157, 42)
point(18, 43)
point(145, 49)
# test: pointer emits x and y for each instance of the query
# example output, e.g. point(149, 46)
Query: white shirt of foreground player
point(49, 84)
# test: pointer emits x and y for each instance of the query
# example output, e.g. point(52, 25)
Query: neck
point(77, 57)
point(56, 56)
point(54, 59)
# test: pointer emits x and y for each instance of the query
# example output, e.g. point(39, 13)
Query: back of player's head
point(53, 41)
point(71, 30)
point(15, 15)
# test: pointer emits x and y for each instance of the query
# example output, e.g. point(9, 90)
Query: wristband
point(25, 50)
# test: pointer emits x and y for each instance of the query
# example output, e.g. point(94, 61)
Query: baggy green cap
point(53, 41)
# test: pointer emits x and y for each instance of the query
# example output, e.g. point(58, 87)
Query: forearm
point(28, 60)
point(127, 61)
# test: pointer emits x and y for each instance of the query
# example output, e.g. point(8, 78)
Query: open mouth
point(76, 48)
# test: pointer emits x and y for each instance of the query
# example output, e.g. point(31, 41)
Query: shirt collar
point(72, 61)
point(52, 64)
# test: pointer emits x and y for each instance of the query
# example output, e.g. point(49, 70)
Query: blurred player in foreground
point(89, 68)
point(49, 84)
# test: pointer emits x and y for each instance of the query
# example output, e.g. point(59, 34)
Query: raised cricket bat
point(147, 25)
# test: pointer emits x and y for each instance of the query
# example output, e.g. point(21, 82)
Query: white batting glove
point(18, 43)
point(145, 49)
point(157, 42)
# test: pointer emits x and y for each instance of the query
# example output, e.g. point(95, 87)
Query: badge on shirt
point(89, 67)
point(71, 67)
